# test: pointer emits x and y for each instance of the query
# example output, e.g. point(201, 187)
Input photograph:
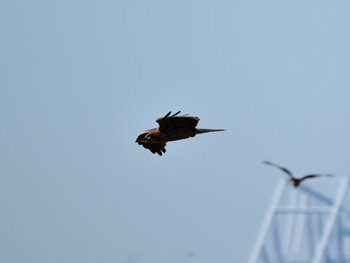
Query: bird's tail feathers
point(209, 130)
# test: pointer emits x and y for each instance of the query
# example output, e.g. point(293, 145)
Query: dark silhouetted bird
point(171, 128)
point(295, 181)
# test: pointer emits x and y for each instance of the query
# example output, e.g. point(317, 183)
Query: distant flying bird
point(295, 181)
point(171, 128)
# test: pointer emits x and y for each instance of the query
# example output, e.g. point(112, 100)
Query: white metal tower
point(306, 225)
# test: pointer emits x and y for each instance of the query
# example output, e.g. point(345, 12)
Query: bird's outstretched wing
point(171, 122)
point(280, 167)
point(313, 176)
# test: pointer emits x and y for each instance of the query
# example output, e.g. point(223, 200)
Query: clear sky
point(81, 79)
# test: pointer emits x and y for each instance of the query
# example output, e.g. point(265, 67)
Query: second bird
point(295, 181)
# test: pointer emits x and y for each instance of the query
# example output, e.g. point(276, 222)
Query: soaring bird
point(295, 181)
point(171, 128)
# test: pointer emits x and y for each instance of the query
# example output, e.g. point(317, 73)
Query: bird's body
point(295, 181)
point(171, 128)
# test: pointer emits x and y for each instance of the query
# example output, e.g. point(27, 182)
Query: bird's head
point(295, 182)
point(143, 137)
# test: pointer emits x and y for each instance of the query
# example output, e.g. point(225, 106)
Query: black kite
point(295, 181)
point(171, 128)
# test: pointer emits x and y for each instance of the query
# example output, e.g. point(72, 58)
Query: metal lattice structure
point(306, 225)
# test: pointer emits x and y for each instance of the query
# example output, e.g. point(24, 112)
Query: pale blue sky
point(81, 79)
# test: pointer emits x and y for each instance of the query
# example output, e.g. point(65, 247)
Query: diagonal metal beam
point(267, 222)
point(320, 249)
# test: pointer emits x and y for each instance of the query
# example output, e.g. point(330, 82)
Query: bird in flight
point(295, 181)
point(171, 128)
